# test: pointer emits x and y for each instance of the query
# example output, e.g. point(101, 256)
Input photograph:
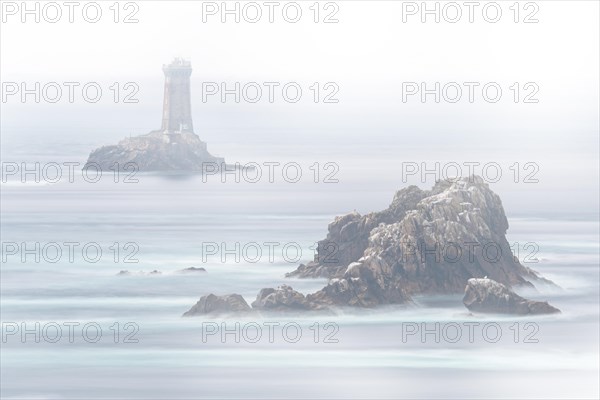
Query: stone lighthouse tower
point(174, 147)
point(177, 107)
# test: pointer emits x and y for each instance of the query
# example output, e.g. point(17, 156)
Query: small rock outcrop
point(488, 296)
point(156, 151)
point(212, 304)
point(284, 298)
point(191, 270)
point(139, 273)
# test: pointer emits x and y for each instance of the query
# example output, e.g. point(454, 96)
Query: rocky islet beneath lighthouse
point(175, 147)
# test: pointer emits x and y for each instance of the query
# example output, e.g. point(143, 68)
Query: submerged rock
point(139, 273)
point(488, 296)
point(191, 270)
point(212, 304)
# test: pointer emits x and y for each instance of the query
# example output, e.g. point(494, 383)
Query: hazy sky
point(369, 53)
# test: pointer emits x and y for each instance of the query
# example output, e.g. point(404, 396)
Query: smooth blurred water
point(170, 218)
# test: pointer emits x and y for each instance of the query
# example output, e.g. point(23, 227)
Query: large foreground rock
point(155, 151)
point(488, 296)
point(212, 304)
point(425, 242)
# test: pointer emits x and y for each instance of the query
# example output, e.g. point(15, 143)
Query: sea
point(74, 326)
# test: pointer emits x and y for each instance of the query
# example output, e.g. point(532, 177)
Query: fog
point(366, 104)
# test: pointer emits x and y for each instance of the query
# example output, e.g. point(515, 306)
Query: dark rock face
point(488, 296)
point(361, 286)
point(284, 298)
point(348, 236)
point(212, 304)
point(155, 151)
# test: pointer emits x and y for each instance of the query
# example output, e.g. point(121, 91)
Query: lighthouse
point(177, 106)
point(174, 147)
